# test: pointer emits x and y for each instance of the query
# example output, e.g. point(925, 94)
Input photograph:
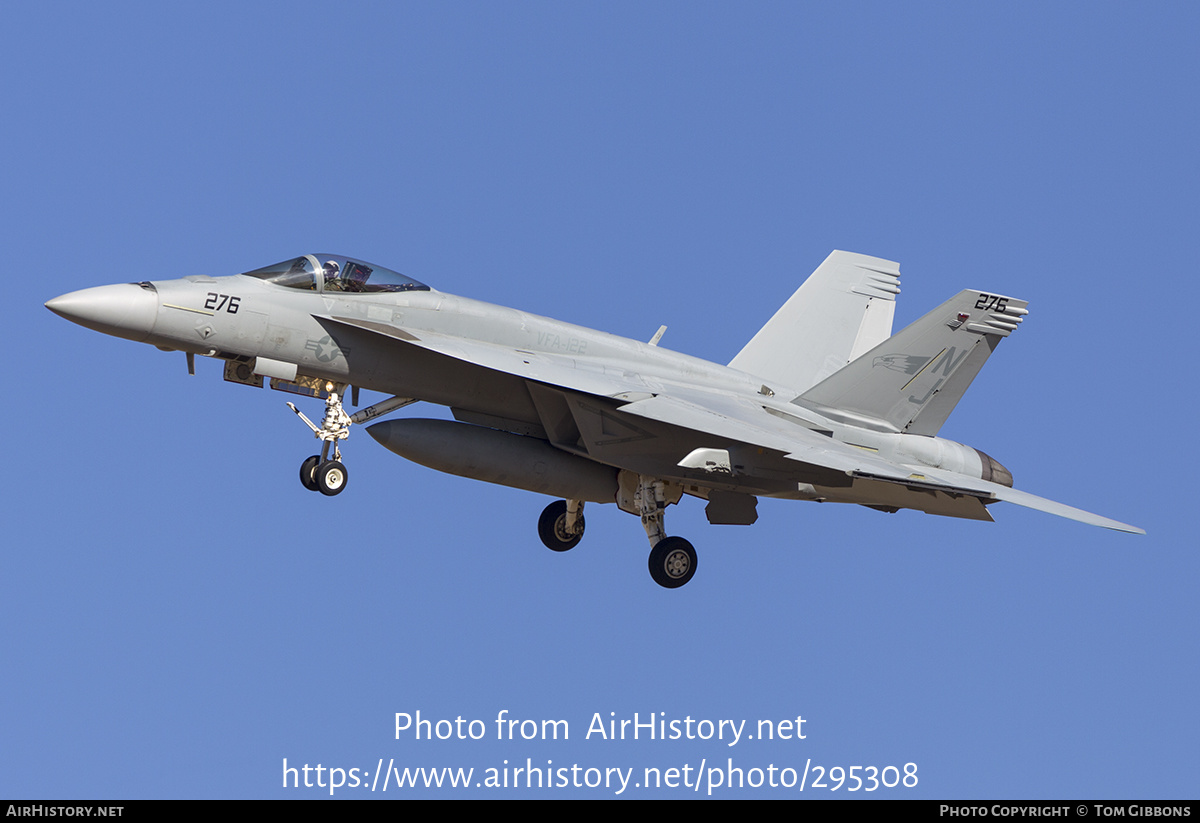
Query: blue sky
point(180, 616)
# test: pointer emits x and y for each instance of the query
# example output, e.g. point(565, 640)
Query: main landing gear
point(319, 473)
point(672, 562)
point(672, 559)
point(561, 525)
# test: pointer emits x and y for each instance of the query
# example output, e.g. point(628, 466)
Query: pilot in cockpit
point(332, 283)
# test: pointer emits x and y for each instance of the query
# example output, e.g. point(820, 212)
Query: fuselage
point(246, 318)
point(590, 417)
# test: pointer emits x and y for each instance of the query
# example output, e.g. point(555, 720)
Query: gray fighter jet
point(824, 403)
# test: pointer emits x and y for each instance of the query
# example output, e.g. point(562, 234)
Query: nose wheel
point(325, 476)
point(331, 477)
point(319, 473)
point(307, 473)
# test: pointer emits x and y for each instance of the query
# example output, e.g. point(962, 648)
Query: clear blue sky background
point(179, 615)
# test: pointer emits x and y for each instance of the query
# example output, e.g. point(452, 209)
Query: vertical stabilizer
point(842, 310)
point(914, 379)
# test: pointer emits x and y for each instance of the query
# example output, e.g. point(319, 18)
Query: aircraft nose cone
point(124, 310)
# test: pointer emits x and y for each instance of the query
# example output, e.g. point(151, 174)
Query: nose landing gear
point(306, 473)
point(318, 472)
point(325, 476)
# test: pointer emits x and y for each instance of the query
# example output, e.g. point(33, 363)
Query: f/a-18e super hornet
point(824, 403)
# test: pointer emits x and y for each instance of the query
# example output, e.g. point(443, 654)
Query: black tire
point(307, 471)
point(552, 528)
point(672, 562)
point(331, 477)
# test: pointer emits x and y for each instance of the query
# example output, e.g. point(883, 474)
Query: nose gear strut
point(318, 472)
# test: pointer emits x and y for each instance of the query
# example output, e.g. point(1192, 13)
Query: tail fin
point(914, 379)
point(843, 309)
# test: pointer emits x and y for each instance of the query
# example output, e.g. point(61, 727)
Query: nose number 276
point(222, 302)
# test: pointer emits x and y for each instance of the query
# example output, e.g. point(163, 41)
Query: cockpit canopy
point(335, 273)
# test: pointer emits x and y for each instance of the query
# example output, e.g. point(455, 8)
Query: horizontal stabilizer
point(1032, 501)
point(959, 484)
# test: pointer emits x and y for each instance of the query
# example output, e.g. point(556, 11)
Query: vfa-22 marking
point(991, 302)
point(550, 340)
point(222, 302)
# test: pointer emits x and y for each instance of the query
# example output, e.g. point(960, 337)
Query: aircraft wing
point(733, 418)
point(723, 415)
point(748, 422)
point(730, 417)
point(555, 369)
